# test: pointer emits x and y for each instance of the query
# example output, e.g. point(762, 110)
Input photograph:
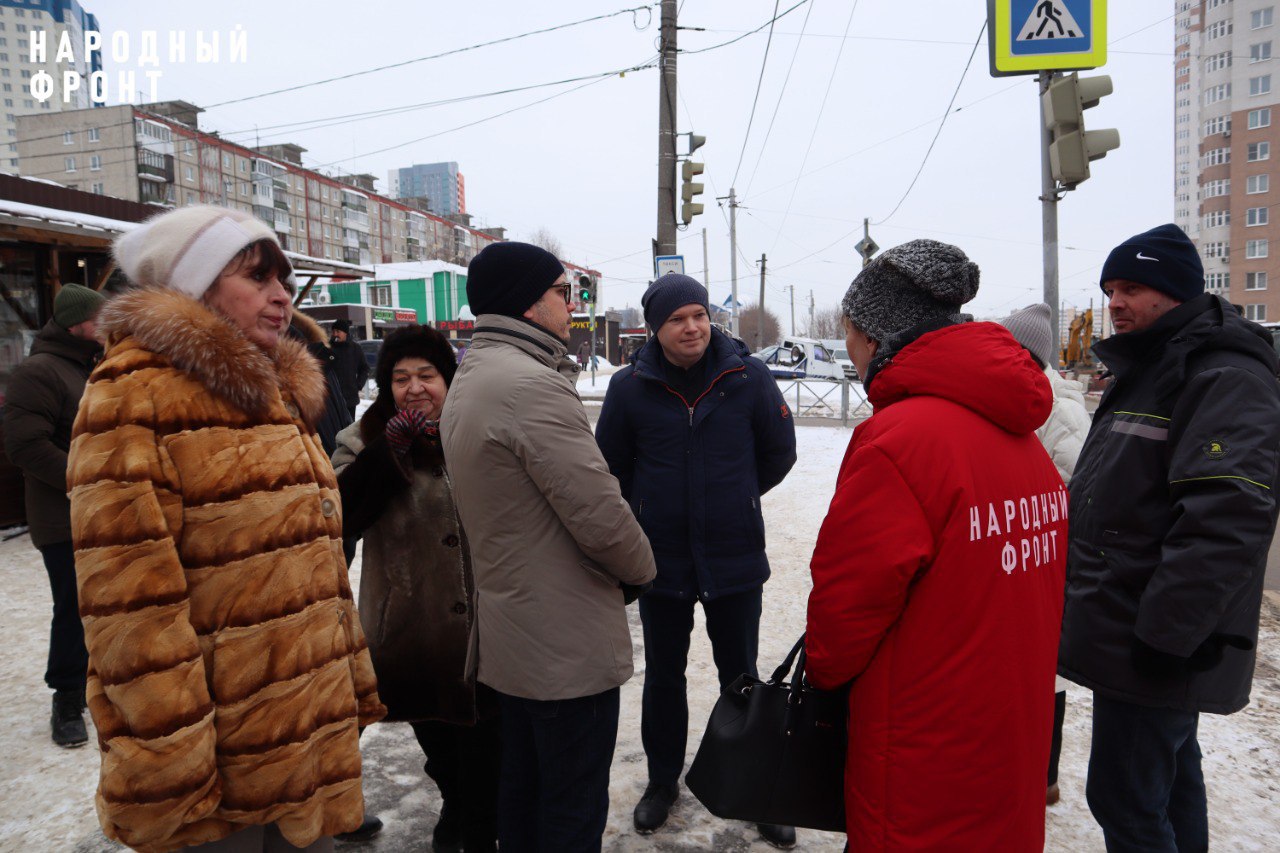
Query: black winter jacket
point(1173, 505)
point(352, 368)
point(694, 470)
point(42, 399)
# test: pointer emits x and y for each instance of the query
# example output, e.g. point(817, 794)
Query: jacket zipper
point(711, 385)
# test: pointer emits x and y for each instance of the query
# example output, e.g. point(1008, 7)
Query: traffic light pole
point(1049, 222)
point(665, 244)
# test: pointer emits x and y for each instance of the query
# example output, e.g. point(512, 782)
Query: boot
point(368, 828)
point(447, 836)
point(1052, 796)
point(783, 837)
point(654, 807)
point(67, 719)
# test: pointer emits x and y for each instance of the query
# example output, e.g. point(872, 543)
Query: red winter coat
point(937, 589)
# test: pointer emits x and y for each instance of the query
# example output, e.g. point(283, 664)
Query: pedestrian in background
point(337, 415)
point(696, 432)
point(1173, 507)
point(938, 571)
point(228, 674)
point(1062, 435)
point(39, 410)
point(349, 362)
point(555, 549)
point(417, 589)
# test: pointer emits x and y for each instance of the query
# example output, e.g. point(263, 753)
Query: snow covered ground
point(46, 793)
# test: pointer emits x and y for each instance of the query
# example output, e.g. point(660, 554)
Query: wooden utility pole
point(760, 315)
point(665, 244)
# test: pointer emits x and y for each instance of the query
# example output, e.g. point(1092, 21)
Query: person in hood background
point(43, 396)
point(349, 362)
point(696, 431)
point(1173, 506)
point(938, 570)
point(1062, 435)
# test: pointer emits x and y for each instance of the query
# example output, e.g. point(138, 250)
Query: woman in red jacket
point(938, 572)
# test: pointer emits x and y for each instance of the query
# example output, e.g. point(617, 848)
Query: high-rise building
point(441, 184)
point(1227, 122)
point(18, 20)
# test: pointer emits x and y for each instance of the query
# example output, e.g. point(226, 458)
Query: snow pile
point(46, 793)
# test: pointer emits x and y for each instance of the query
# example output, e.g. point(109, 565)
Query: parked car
point(801, 358)
point(370, 349)
point(837, 348)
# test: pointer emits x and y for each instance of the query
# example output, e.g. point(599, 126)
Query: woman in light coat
point(417, 592)
point(228, 673)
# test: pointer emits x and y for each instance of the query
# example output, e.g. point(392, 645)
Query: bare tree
point(826, 324)
point(632, 318)
point(544, 238)
point(749, 319)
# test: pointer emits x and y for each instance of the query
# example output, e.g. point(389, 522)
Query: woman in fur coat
point(417, 594)
point(228, 673)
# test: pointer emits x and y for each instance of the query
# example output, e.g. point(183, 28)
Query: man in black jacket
point(349, 361)
point(43, 397)
point(696, 431)
point(1173, 506)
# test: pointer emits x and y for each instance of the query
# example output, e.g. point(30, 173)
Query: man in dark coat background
point(349, 362)
point(1173, 506)
point(696, 431)
point(40, 408)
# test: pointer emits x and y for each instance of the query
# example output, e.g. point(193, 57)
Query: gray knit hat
point(1031, 327)
point(909, 284)
point(74, 304)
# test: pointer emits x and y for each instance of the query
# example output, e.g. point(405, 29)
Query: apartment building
point(18, 20)
point(441, 184)
point(1226, 127)
point(157, 153)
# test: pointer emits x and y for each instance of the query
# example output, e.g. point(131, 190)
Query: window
point(1215, 250)
point(1260, 85)
point(1255, 281)
point(1260, 52)
point(1255, 184)
point(93, 134)
point(1254, 249)
point(1217, 62)
point(1256, 313)
point(226, 161)
point(1217, 157)
point(188, 147)
point(68, 137)
point(1217, 280)
point(244, 188)
point(1256, 216)
point(1217, 30)
point(1259, 118)
point(1216, 218)
point(191, 199)
point(1260, 18)
point(95, 163)
point(190, 173)
point(1213, 189)
point(244, 165)
point(1259, 151)
point(99, 189)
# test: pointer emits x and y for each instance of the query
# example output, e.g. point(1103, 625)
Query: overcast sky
point(842, 141)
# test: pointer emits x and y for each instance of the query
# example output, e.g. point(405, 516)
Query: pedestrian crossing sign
point(1030, 36)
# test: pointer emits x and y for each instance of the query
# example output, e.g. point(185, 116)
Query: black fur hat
point(414, 342)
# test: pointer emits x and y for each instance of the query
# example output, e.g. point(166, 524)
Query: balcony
point(281, 204)
point(151, 170)
point(354, 219)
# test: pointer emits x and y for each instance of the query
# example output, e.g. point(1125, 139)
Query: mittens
point(402, 429)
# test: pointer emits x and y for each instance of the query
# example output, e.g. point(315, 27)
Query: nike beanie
point(1163, 258)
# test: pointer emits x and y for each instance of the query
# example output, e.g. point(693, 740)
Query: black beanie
point(507, 278)
point(668, 294)
point(1163, 258)
point(414, 342)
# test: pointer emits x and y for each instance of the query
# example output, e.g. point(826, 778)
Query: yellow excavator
point(1075, 349)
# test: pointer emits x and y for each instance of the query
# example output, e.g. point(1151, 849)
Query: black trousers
point(733, 626)
point(465, 762)
point(554, 793)
point(1055, 745)
point(68, 659)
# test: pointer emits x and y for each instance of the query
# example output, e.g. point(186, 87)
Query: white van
point(801, 358)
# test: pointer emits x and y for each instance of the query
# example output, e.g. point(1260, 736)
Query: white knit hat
point(1032, 329)
point(187, 249)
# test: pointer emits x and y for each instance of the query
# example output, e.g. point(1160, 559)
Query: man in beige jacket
point(556, 551)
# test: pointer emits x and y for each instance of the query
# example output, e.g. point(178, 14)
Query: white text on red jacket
point(1026, 518)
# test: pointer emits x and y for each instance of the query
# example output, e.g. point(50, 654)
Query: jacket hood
point(309, 329)
point(1065, 389)
point(203, 344)
point(976, 365)
point(55, 340)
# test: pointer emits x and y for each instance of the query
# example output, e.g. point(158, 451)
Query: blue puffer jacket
point(694, 470)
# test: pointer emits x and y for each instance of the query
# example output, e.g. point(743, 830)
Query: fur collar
point(202, 343)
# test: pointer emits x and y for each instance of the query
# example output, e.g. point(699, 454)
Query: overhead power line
point(768, 23)
point(781, 96)
point(764, 63)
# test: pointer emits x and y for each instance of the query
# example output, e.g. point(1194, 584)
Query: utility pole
point(812, 323)
point(706, 277)
point(1049, 220)
point(665, 244)
point(760, 312)
point(792, 289)
point(733, 259)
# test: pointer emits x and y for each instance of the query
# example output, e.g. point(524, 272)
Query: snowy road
point(46, 794)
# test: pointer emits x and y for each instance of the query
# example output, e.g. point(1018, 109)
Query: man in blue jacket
point(696, 431)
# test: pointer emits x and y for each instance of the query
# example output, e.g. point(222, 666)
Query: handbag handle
point(780, 674)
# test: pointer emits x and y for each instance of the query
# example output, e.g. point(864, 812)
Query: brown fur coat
point(227, 668)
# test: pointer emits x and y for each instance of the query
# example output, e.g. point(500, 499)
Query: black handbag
point(774, 752)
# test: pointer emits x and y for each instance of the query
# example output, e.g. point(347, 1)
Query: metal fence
point(825, 398)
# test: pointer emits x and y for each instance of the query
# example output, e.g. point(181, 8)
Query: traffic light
point(689, 189)
point(696, 142)
point(1072, 147)
point(586, 290)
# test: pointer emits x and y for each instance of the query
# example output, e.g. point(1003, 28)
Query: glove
point(1209, 653)
point(402, 429)
point(630, 592)
point(1151, 661)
